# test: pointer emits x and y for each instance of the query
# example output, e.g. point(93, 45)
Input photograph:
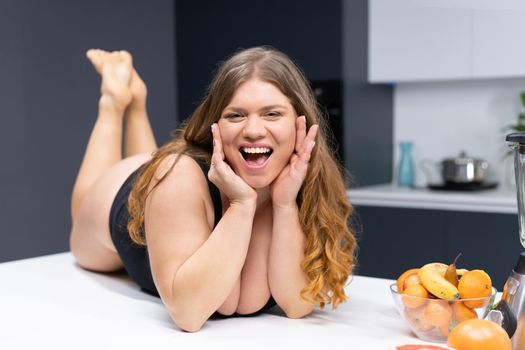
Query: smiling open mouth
point(255, 156)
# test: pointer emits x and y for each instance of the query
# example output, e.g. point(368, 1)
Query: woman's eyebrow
point(234, 109)
point(276, 106)
point(264, 108)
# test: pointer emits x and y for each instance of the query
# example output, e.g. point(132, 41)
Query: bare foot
point(115, 68)
point(139, 91)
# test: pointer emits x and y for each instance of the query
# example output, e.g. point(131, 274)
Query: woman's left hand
point(286, 186)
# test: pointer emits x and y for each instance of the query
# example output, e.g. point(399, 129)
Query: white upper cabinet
point(498, 43)
point(425, 40)
point(413, 40)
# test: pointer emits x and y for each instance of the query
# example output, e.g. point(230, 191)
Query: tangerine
point(462, 313)
point(476, 334)
point(475, 284)
point(417, 320)
point(438, 313)
point(401, 285)
point(419, 292)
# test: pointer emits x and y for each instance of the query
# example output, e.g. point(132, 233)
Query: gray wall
point(48, 98)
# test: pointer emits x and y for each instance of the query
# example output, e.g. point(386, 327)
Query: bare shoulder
point(183, 186)
point(185, 170)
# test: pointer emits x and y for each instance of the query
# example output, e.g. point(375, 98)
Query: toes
point(126, 56)
point(96, 57)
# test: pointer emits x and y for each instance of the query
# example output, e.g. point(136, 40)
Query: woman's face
point(258, 132)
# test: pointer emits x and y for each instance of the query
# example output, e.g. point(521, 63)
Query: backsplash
point(444, 118)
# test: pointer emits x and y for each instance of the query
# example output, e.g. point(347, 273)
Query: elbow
point(188, 324)
point(297, 311)
point(186, 319)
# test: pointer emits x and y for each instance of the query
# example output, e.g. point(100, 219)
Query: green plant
point(519, 126)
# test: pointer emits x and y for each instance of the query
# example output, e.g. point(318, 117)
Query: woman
point(243, 209)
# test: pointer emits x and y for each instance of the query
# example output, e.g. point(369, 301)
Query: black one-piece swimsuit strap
point(134, 256)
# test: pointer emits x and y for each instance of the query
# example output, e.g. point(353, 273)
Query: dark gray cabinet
point(393, 240)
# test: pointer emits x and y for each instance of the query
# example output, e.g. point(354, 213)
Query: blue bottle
point(405, 170)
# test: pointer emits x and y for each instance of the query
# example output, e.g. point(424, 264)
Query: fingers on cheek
point(311, 147)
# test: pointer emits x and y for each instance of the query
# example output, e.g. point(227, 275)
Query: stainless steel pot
point(464, 169)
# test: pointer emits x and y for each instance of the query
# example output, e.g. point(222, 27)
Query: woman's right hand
point(222, 175)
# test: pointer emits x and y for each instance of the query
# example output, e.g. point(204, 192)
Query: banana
point(432, 277)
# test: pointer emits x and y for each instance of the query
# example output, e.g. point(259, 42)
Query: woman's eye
point(273, 114)
point(232, 116)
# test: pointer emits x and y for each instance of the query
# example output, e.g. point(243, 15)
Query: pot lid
point(464, 159)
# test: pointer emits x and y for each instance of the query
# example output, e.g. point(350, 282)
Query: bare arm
point(194, 270)
point(285, 275)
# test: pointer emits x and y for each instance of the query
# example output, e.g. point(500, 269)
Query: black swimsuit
point(134, 256)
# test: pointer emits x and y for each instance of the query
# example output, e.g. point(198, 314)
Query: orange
point(445, 329)
point(412, 273)
point(416, 318)
point(475, 284)
point(417, 291)
point(478, 334)
point(438, 313)
point(462, 313)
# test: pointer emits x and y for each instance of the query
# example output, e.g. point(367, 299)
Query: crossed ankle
point(108, 105)
point(136, 107)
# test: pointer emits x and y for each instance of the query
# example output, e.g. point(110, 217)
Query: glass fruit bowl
point(432, 319)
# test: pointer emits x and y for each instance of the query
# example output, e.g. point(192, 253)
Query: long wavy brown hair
point(324, 212)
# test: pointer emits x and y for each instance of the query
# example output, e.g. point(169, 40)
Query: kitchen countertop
point(497, 200)
point(50, 302)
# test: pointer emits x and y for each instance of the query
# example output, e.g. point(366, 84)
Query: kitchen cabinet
point(497, 42)
point(393, 240)
point(445, 40)
point(411, 40)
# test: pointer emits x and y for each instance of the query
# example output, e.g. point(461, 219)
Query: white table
point(51, 303)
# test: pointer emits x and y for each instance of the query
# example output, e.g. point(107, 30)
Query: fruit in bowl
point(433, 299)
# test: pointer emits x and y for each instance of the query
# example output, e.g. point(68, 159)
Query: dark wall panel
point(309, 31)
point(368, 122)
point(49, 96)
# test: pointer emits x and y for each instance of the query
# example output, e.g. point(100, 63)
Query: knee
point(92, 255)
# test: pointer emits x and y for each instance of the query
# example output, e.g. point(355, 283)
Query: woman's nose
point(254, 128)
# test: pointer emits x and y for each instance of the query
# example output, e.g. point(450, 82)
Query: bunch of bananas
point(437, 281)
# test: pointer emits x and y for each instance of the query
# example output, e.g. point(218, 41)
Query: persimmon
point(475, 284)
point(476, 334)
point(414, 296)
point(410, 277)
point(438, 312)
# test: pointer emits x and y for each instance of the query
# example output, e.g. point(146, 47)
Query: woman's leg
point(138, 135)
point(104, 147)
point(102, 171)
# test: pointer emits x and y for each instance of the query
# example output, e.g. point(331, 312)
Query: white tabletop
point(51, 303)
